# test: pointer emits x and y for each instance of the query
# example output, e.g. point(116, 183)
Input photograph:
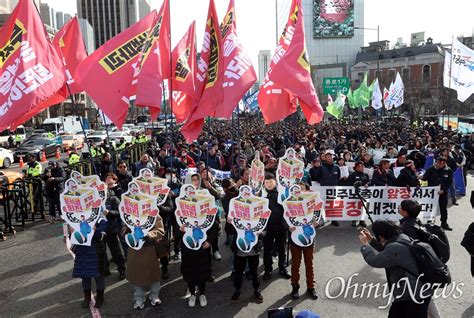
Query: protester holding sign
point(143, 267)
point(302, 212)
point(441, 175)
point(249, 215)
point(277, 230)
point(89, 262)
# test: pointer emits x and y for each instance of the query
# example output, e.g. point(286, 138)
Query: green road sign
point(331, 85)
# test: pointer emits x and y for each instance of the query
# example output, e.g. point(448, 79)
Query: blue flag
point(251, 102)
point(459, 181)
point(429, 162)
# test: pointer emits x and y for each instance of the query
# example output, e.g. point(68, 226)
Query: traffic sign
point(332, 85)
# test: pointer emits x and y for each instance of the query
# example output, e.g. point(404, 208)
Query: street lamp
point(378, 47)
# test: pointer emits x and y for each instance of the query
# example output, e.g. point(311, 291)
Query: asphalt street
point(35, 279)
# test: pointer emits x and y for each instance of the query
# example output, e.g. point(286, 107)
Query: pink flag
point(288, 81)
point(239, 74)
point(30, 69)
point(183, 85)
point(107, 74)
point(209, 77)
point(148, 73)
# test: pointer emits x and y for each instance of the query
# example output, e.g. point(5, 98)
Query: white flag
point(386, 94)
point(461, 78)
point(376, 96)
point(397, 90)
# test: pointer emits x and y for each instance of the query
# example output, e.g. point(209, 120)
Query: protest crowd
point(219, 162)
point(262, 182)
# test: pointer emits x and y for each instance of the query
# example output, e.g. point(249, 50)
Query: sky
point(256, 19)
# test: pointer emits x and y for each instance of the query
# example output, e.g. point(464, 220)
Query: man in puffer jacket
point(400, 267)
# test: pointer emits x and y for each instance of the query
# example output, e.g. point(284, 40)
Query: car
point(36, 145)
point(117, 135)
point(6, 158)
point(70, 141)
point(95, 140)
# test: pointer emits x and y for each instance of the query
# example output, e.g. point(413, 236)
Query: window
point(406, 74)
point(426, 73)
point(391, 75)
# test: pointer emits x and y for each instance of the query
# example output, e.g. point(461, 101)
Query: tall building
point(108, 18)
point(87, 35)
point(264, 59)
point(333, 36)
point(59, 20)
point(67, 17)
point(7, 6)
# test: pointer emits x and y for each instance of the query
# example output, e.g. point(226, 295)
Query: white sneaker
point(155, 301)
point(139, 304)
point(192, 301)
point(188, 294)
point(217, 256)
point(203, 300)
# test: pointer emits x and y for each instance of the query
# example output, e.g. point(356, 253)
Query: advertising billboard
point(333, 18)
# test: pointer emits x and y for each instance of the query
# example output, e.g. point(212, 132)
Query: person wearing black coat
point(358, 175)
point(114, 227)
point(167, 210)
point(383, 176)
point(441, 175)
point(89, 262)
point(468, 243)
point(408, 177)
point(54, 178)
point(243, 259)
point(313, 171)
point(123, 175)
point(105, 165)
point(276, 231)
point(196, 265)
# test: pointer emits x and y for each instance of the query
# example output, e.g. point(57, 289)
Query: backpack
point(433, 269)
point(435, 236)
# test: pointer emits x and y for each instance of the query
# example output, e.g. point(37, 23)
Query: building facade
point(332, 47)
point(110, 17)
point(264, 59)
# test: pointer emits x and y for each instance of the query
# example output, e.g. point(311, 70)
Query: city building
point(108, 18)
point(334, 35)
point(264, 59)
point(421, 68)
point(59, 20)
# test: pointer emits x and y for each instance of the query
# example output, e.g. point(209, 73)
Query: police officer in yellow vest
point(17, 140)
point(50, 135)
point(74, 158)
point(35, 170)
point(96, 151)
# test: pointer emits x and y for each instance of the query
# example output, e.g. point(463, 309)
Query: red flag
point(106, 75)
point(148, 73)
point(30, 69)
point(208, 77)
point(183, 59)
point(70, 47)
point(288, 80)
point(239, 74)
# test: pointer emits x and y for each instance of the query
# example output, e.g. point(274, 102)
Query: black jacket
point(328, 175)
point(56, 185)
point(382, 178)
point(439, 177)
point(124, 179)
point(358, 177)
point(276, 222)
point(113, 217)
point(407, 178)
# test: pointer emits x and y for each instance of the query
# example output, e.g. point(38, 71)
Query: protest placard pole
point(450, 79)
point(357, 186)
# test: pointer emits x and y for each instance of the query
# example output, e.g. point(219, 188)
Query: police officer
point(50, 135)
point(54, 177)
point(74, 158)
point(441, 175)
point(34, 170)
point(17, 140)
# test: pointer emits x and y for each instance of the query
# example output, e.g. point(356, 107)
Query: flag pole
point(73, 99)
point(170, 81)
point(450, 79)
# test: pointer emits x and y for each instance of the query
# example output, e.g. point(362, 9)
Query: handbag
point(162, 247)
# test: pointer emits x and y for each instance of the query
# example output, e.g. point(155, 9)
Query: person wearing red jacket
point(186, 159)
